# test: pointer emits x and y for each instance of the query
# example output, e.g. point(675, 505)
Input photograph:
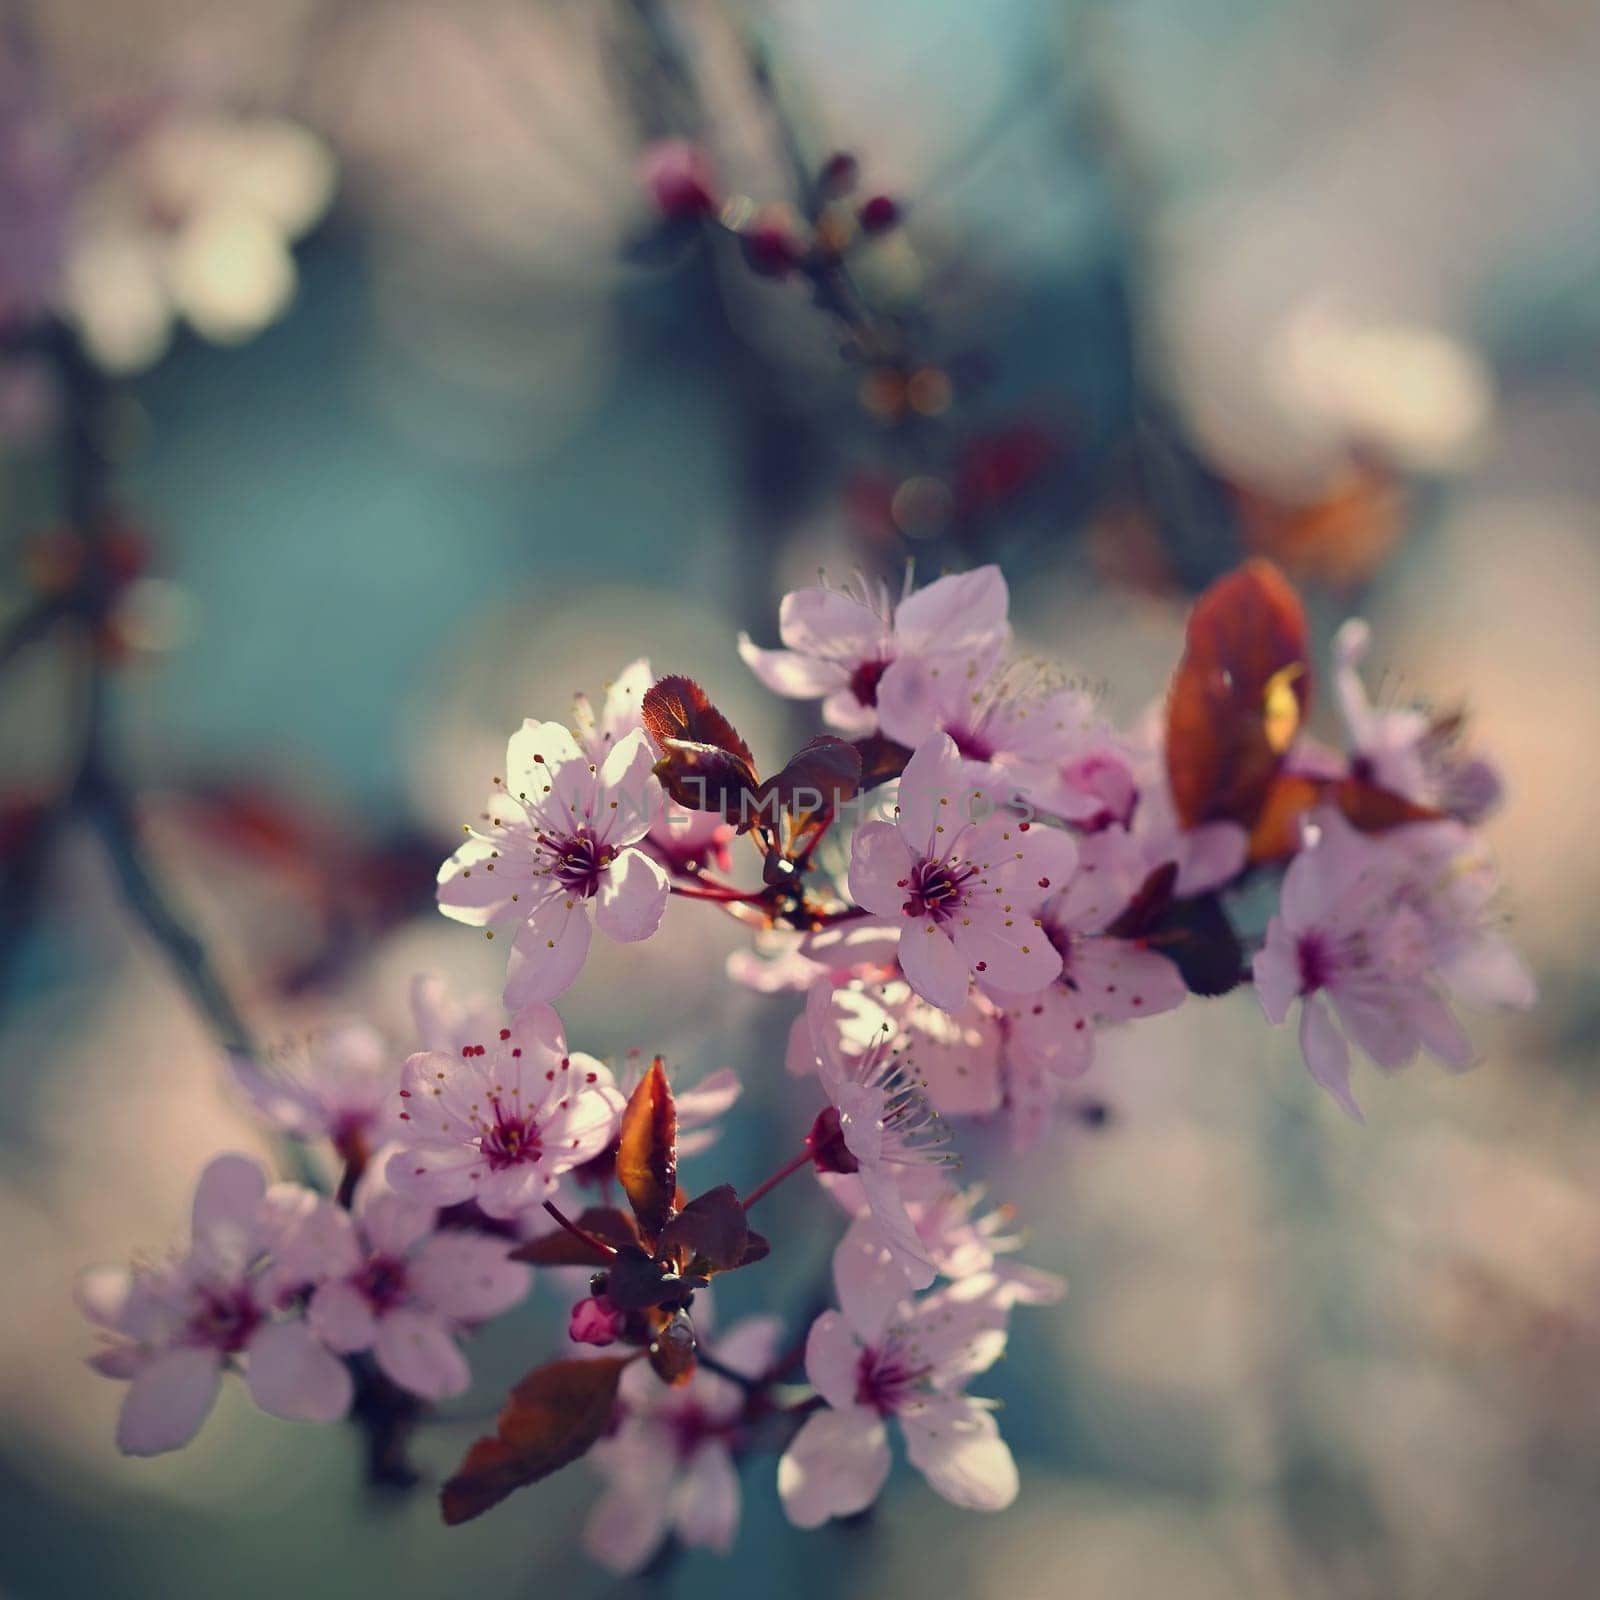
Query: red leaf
point(712, 1225)
point(1147, 906)
point(881, 760)
point(564, 1249)
point(672, 1351)
point(1372, 809)
point(679, 709)
point(550, 1419)
point(818, 779)
point(647, 1151)
point(1238, 696)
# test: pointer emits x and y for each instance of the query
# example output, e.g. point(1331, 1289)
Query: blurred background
point(413, 403)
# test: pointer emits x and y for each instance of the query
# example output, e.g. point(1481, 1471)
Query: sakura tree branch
point(579, 1233)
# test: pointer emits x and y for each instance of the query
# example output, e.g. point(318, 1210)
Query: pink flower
point(1017, 715)
point(446, 1022)
point(502, 1120)
point(669, 1466)
point(881, 1356)
point(968, 891)
point(961, 1241)
point(680, 839)
point(958, 1054)
point(1103, 979)
point(178, 1325)
point(339, 1085)
point(1402, 748)
point(1369, 932)
point(851, 647)
point(559, 844)
point(388, 1279)
point(887, 1125)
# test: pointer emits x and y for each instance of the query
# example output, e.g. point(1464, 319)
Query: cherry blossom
point(1369, 933)
point(887, 1124)
point(850, 647)
point(386, 1278)
point(680, 839)
point(177, 1326)
point(967, 882)
point(337, 1085)
point(669, 1466)
point(500, 1121)
point(1402, 748)
point(559, 845)
point(1103, 979)
point(883, 1355)
point(962, 1241)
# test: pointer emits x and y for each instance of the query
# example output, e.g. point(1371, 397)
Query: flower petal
point(632, 898)
point(416, 1350)
point(933, 966)
point(705, 1499)
point(1326, 1053)
point(467, 1276)
point(295, 1376)
point(167, 1401)
point(833, 1358)
point(954, 1442)
point(549, 951)
point(341, 1317)
point(834, 1467)
point(794, 676)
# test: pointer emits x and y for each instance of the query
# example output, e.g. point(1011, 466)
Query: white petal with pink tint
point(934, 967)
point(293, 1375)
point(796, 677)
point(549, 951)
point(632, 898)
point(468, 1276)
point(416, 1350)
point(954, 1443)
point(835, 1466)
point(168, 1399)
point(705, 1501)
point(341, 1317)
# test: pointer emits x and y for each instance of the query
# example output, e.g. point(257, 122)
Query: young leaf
point(550, 1419)
point(1238, 696)
point(1148, 905)
point(712, 1225)
point(672, 1351)
point(881, 760)
point(679, 709)
point(633, 1280)
point(647, 1151)
point(704, 763)
point(1196, 936)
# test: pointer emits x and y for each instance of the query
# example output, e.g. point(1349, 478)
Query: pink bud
point(678, 178)
point(594, 1321)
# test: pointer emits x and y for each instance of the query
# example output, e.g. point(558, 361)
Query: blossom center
point(864, 681)
point(225, 1319)
point(1315, 962)
point(510, 1142)
point(581, 863)
point(885, 1379)
point(382, 1283)
point(936, 889)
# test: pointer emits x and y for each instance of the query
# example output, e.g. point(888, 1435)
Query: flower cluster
point(968, 879)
